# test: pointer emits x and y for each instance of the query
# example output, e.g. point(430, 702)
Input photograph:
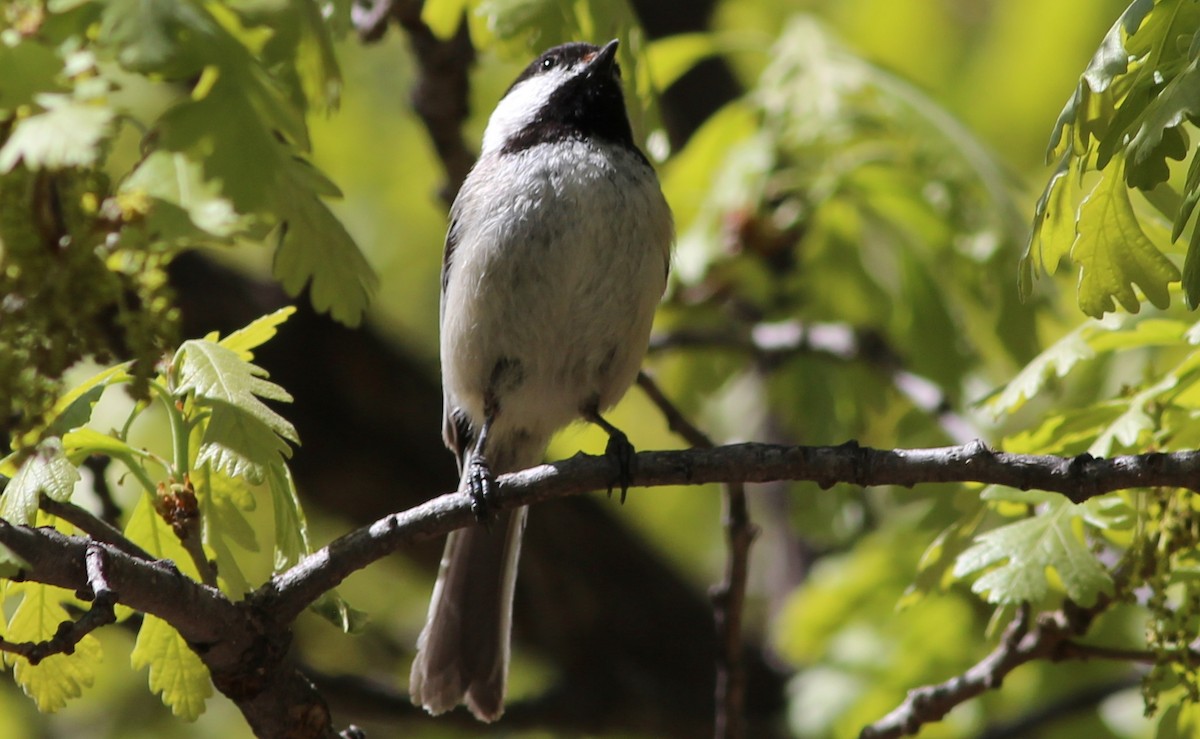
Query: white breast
point(558, 269)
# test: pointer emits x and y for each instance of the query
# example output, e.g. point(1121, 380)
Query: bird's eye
point(549, 62)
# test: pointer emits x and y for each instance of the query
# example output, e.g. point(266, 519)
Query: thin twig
point(71, 632)
point(94, 527)
point(729, 597)
point(1022, 642)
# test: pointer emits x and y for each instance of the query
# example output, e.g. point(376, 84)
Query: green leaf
point(257, 333)
point(1180, 720)
point(292, 545)
point(1054, 229)
point(75, 408)
point(1055, 361)
point(175, 179)
point(1114, 253)
point(224, 502)
point(1085, 110)
point(1015, 558)
point(1191, 194)
point(83, 442)
point(30, 69)
point(315, 246)
point(334, 609)
point(47, 471)
point(172, 38)
point(1191, 267)
point(291, 527)
point(670, 58)
point(60, 677)
point(67, 134)
point(239, 443)
point(176, 673)
point(243, 436)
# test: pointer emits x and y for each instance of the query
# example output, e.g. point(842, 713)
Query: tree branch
point(98, 529)
point(442, 88)
point(1079, 478)
point(1022, 642)
point(242, 648)
point(70, 633)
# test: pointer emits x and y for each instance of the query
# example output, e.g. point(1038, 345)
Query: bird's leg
point(619, 451)
point(481, 483)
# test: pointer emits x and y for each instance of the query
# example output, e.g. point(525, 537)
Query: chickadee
point(556, 257)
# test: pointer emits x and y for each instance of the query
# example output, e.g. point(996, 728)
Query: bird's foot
point(481, 486)
point(623, 457)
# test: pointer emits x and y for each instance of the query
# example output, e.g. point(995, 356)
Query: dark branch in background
point(729, 597)
point(70, 633)
point(440, 94)
point(771, 343)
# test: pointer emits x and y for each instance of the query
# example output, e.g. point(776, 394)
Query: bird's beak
point(605, 58)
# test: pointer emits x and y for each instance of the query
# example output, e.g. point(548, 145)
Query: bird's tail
point(462, 653)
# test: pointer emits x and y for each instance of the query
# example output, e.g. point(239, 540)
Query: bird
point(555, 260)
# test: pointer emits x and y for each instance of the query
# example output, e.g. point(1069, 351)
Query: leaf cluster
point(1130, 117)
point(217, 94)
point(195, 507)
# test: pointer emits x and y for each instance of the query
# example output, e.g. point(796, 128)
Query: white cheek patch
point(519, 107)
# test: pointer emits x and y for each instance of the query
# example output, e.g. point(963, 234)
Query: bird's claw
point(623, 457)
point(481, 486)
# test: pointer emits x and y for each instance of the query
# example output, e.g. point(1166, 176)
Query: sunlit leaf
point(47, 471)
point(60, 677)
point(257, 333)
point(1056, 361)
point(1014, 558)
point(1114, 253)
point(174, 178)
point(176, 673)
point(243, 434)
point(67, 134)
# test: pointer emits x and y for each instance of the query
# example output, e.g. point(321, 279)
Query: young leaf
point(176, 673)
point(224, 502)
point(315, 246)
point(67, 134)
point(1055, 361)
point(47, 471)
point(1114, 253)
point(259, 332)
point(243, 435)
point(1016, 558)
point(75, 408)
point(174, 178)
point(291, 528)
point(60, 677)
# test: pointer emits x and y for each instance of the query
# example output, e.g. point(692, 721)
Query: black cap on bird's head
point(572, 91)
